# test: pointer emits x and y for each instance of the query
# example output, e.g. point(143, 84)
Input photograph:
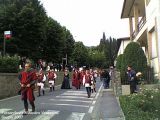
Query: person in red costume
point(51, 79)
point(27, 81)
point(87, 82)
point(41, 80)
point(75, 80)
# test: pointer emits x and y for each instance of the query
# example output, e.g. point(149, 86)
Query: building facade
point(123, 44)
point(144, 26)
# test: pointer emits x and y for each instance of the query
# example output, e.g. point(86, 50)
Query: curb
point(121, 112)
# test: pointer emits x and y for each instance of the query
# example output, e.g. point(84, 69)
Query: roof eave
point(123, 9)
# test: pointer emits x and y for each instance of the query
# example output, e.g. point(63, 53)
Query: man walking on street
point(27, 81)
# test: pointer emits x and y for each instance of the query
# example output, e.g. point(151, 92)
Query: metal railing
point(140, 25)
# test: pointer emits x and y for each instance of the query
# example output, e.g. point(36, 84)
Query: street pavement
point(60, 104)
point(68, 104)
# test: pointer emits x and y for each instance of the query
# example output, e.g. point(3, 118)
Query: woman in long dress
point(66, 82)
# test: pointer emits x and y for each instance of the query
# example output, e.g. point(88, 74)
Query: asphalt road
point(66, 104)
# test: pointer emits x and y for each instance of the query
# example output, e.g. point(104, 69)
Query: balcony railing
point(139, 26)
point(141, 23)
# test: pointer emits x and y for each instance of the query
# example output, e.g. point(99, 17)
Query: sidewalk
point(107, 107)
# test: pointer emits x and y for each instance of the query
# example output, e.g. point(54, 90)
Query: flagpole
point(4, 46)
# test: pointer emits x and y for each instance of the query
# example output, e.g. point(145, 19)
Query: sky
point(88, 19)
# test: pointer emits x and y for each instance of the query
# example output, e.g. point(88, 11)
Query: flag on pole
point(7, 34)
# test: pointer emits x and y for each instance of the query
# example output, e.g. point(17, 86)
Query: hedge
point(133, 55)
point(9, 64)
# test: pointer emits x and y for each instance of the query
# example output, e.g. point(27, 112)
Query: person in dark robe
point(66, 82)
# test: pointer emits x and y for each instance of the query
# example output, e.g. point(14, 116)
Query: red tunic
point(51, 75)
point(27, 78)
point(40, 77)
point(81, 77)
point(75, 81)
point(88, 78)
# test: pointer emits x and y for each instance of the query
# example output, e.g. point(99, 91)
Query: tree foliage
point(68, 44)
point(34, 34)
point(97, 59)
point(110, 48)
point(119, 61)
point(80, 54)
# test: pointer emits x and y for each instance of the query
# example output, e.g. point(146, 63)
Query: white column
point(136, 15)
point(131, 27)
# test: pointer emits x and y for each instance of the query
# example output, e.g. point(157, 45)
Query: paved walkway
point(108, 107)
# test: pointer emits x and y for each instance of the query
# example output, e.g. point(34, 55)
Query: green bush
point(119, 62)
point(9, 64)
point(142, 106)
point(134, 56)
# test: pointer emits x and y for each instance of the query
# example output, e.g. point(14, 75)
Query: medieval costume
point(41, 80)
point(51, 79)
point(27, 81)
point(75, 80)
point(66, 83)
point(87, 83)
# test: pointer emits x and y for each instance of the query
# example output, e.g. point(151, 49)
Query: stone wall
point(116, 83)
point(9, 84)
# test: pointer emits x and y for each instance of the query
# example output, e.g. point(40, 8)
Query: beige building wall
point(147, 35)
point(153, 30)
point(123, 45)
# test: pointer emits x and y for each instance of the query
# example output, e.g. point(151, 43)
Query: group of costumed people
point(81, 77)
point(29, 77)
point(87, 78)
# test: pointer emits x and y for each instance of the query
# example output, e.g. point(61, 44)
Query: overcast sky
point(88, 19)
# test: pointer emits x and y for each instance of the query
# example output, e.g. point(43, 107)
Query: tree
point(80, 54)
point(26, 19)
point(68, 45)
point(96, 59)
point(54, 43)
point(34, 34)
point(110, 48)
